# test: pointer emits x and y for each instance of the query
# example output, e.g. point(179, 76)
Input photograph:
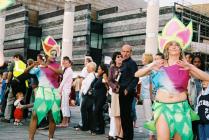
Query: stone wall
point(52, 24)
point(128, 27)
point(16, 30)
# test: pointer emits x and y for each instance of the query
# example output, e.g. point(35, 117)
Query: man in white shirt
point(84, 71)
point(81, 77)
point(87, 100)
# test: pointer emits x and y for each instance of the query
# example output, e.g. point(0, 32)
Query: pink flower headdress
point(176, 31)
point(50, 47)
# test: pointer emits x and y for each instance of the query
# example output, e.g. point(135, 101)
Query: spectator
point(100, 86)
point(189, 57)
point(203, 111)
point(114, 75)
point(65, 89)
point(146, 91)
point(87, 101)
point(194, 89)
point(127, 91)
point(15, 69)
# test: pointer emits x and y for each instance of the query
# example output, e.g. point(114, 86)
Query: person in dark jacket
point(100, 87)
point(127, 91)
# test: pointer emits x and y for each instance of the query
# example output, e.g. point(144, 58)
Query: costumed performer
point(47, 98)
point(172, 113)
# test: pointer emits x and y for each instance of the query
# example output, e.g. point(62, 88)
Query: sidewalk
point(10, 132)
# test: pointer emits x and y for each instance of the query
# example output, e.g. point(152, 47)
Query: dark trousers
point(29, 92)
point(195, 130)
point(87, 112)
point(125, 114)
point(99, 123)
point(18, 86)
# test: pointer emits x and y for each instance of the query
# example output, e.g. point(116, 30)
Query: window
point(96, 41)
point(34, 43)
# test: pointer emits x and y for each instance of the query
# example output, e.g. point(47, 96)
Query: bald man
point(127, 90)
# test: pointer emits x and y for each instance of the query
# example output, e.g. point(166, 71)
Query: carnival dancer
point(172, 113)
point(47, 98)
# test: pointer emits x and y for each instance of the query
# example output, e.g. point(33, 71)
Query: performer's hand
point(155, 65)
point(126, 92)
point(20, 106)
point(36, 63)
point(184, 64)
point(44, 65)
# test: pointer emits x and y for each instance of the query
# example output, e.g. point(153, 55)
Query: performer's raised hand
point(156, 65)
point(184, 64)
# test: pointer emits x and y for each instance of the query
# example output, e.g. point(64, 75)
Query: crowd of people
point(174, 90)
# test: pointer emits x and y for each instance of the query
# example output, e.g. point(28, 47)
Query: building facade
point(96, 33)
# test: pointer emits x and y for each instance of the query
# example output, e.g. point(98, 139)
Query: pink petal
point(172, 28)
point(51, 42)
point(184, 35)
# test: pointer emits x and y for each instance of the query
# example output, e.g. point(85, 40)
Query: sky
point(142, 3)
point(186, 2)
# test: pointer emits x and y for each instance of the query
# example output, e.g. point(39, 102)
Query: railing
point(200, 47)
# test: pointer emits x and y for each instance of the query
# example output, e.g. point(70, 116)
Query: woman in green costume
point(47, 98)
point(172, 114)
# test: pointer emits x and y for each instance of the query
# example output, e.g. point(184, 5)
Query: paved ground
point(10, 132)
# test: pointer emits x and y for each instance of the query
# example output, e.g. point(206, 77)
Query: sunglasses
point(119, 56)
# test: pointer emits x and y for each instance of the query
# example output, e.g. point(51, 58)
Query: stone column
point(2, 36)
point(152, 25)
point(68, 24)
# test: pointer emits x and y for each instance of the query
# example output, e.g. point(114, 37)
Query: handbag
point(91, 91)
point(109, 93)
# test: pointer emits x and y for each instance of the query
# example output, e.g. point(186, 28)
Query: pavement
point(10, 132)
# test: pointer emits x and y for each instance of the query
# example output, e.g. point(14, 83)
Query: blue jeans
point(77, 98)
point(203, 130)
point(133, 113)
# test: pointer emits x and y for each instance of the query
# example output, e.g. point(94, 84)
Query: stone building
point(97, 32)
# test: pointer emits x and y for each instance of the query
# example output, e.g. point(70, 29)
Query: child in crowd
point(18, 113)
point(203, 111)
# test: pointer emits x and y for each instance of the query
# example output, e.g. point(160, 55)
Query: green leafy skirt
point(178, 117)
point(47, 99)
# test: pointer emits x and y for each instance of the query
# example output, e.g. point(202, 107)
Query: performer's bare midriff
point(167, 97)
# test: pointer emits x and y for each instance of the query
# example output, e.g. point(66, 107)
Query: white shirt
point(86, 83)
point(84, 72)
point(67, 80)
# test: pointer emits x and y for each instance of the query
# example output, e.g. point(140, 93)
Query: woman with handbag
point(114, 77)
